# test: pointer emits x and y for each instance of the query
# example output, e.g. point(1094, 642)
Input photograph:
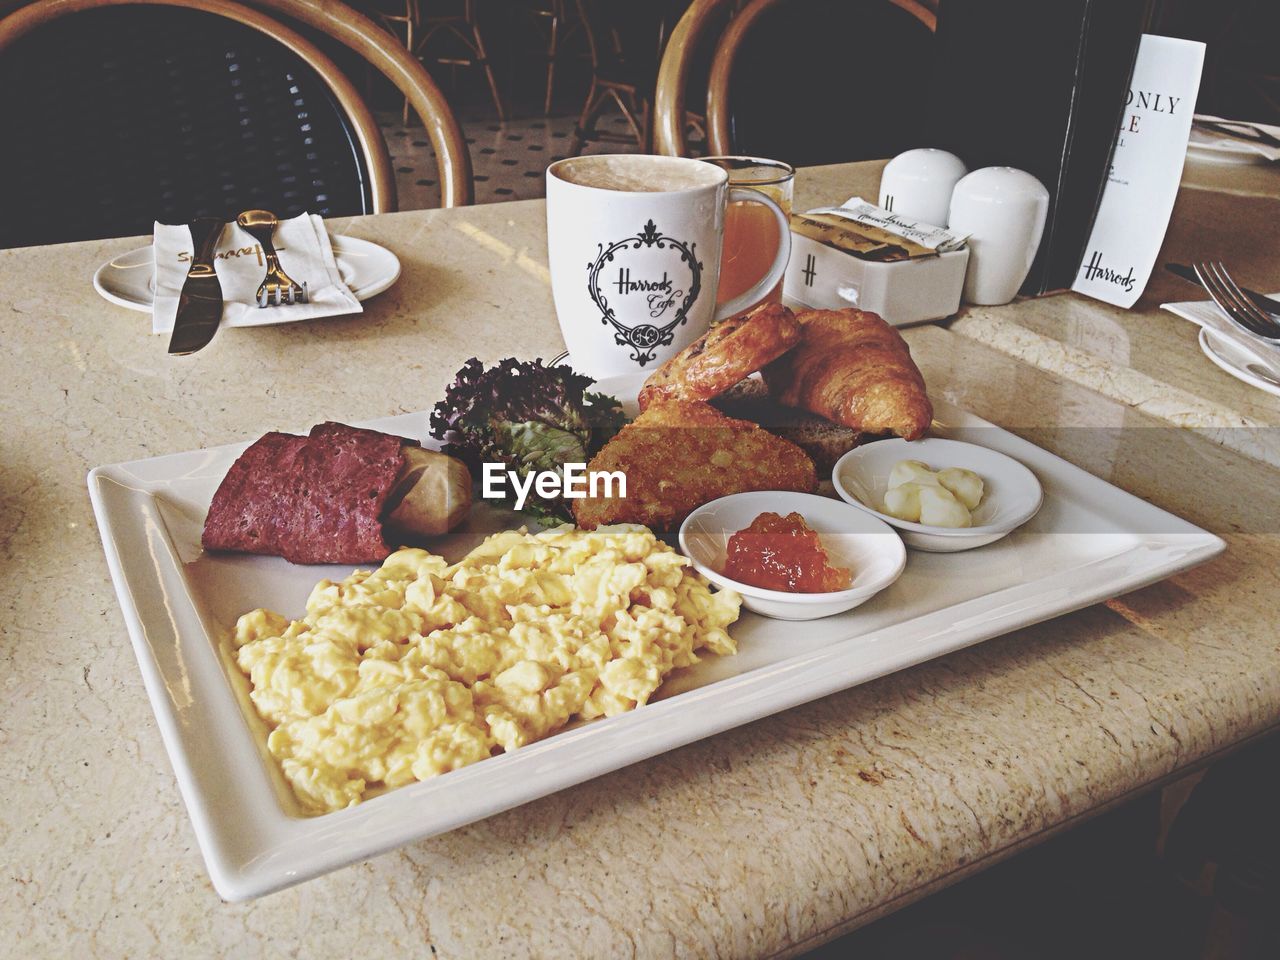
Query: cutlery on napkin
point(1264, 303)
point(1237, 136)
point(304, 248)
point(1205, 313)
point(200, 304)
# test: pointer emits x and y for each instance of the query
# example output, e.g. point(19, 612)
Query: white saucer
point(129, 279)
point(1231, 359)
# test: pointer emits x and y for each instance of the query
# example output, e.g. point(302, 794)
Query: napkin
point(305, 254)
point(1205, 313)
point(1212, 138)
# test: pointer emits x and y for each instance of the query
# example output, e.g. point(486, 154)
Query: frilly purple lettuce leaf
point(526, 416)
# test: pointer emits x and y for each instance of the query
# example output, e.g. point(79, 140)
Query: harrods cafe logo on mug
point(631, 284)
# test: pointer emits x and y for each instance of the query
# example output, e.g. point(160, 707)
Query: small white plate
point(1012, 493)
point(1231, 359)
point(129, 279)
point(853, 539)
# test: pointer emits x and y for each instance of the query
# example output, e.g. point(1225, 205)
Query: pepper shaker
point(1002, 211)
point(917, 185)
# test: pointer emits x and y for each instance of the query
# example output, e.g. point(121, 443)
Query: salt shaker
point(917, 184)
point(1002, 210)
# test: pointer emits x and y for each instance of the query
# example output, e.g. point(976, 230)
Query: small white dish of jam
point(790, 550)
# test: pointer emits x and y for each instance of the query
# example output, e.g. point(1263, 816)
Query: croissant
point(852, 367)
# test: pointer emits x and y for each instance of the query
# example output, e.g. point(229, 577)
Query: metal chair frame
point(561, 24)
point(465, 29)
point(634, 103)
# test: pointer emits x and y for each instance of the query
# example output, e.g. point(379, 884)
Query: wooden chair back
point(374, 177)
point(362, 35)
point(743, 26)
point(691, 35)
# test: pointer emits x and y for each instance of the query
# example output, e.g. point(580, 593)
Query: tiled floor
point(508, 159)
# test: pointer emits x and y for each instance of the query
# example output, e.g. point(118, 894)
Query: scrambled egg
point(421, 667)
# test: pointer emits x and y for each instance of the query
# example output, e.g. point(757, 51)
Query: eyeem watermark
point(573, 481)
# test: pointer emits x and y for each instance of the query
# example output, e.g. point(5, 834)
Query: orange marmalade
point(783, 553)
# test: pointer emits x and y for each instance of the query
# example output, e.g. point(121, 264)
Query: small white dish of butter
point(941, 495)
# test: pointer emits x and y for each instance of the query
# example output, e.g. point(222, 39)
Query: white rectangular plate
point(1091, 541)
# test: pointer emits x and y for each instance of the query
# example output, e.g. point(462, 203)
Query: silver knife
point(200, 305)
point(1260, 301)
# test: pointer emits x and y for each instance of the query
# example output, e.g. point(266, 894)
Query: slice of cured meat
point(313, 499)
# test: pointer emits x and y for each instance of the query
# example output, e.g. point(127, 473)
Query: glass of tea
point(750, 231)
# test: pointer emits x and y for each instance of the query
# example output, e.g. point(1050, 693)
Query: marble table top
point(763, 841)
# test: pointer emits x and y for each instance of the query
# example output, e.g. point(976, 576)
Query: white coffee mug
point(917, 184)
point(634, 247)
point(1002, 211)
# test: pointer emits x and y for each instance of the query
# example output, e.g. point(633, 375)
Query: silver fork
point(277, 287)
point(1227, 294)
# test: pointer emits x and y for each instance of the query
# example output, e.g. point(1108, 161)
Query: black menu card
point(1041, 87)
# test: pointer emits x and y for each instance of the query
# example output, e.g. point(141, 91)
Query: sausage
point(432, 495)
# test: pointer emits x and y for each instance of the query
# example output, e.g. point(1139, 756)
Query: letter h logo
point(809, 271)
